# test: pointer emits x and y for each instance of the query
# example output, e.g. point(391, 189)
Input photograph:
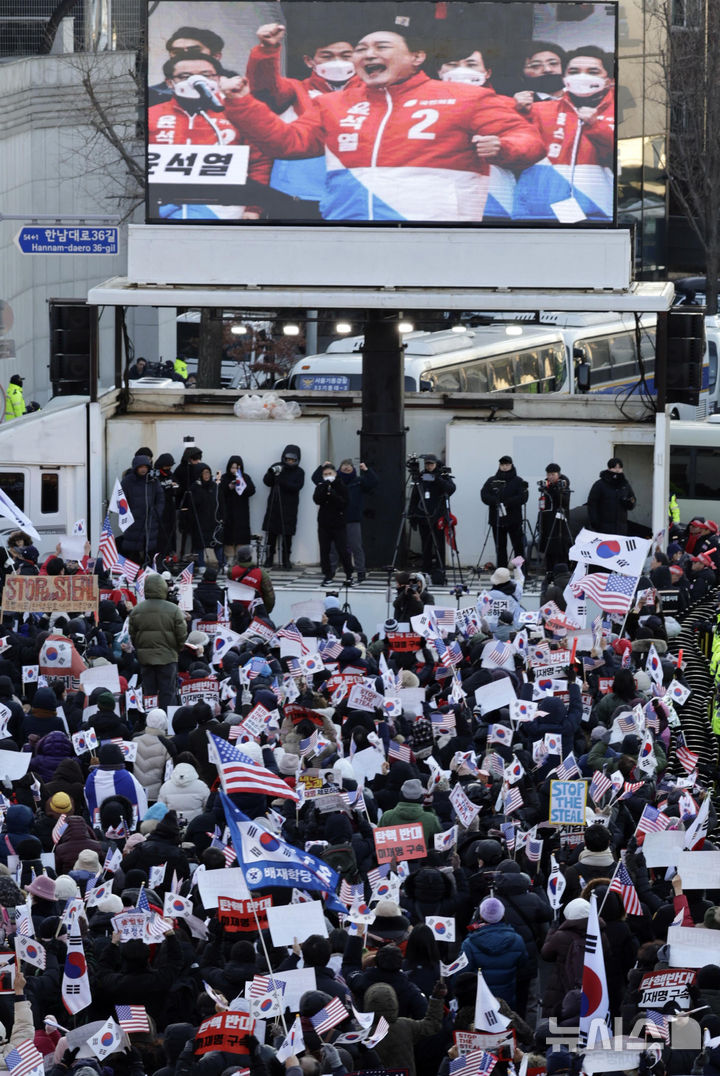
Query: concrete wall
point(51, 164)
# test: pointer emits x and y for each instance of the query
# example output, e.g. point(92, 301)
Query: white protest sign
point(218, 883)
point(13, 765)
point(663, 849)
point(465, 809)
point(239, 592)
point(313, 610)
point(364, 698)
point(290, 921)
point(698, 869)
point(412, 699)
point(693, 947)
point(101, 676)
point(367, 764)
point(495, 695)
point(72, 546)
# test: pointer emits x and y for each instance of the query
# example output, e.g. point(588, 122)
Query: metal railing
point(41, 27)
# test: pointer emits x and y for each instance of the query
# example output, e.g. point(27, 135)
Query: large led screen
point(354, 112)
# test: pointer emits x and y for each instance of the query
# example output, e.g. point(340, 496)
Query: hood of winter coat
point(235, 459)
point(383, 1001)
point(494, 939)
point(291, 450)
point(184, 775)
point(56, 745)
point(18, 819)
point(155, 586)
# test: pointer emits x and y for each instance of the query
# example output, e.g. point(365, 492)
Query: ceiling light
point(291, 330)
point(513, 330)
point(458, 329)
point(405, 326)
point(343, 327)
point(238, 330)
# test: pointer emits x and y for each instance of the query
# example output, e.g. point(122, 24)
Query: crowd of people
point(535, 143)
point(162, 767)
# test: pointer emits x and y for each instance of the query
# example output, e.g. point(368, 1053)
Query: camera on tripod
point(413, 465)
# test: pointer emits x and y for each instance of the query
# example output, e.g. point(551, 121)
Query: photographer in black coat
point(505, 493)
point(331, 496)
point(553, 509)
point(428, 505)
point(610, 500)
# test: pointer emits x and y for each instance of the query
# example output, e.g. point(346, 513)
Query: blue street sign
point(63, 239)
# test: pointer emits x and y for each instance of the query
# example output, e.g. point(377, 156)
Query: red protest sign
point(404, 641)
point(400, 842)
point(238, 915)
point(605, 684)
point(227, 1032)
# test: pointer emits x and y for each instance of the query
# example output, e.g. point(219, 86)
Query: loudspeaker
point(73, 336)
point(685, 353)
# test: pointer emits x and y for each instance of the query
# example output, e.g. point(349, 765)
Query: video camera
point(413, 465)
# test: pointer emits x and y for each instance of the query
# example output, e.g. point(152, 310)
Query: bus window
point(598, 355)
point(552, 368)
point(449, 380)
point(13, 483)
point(623, 352)
point(500, 375)
point(49, 500)
point(527, 372)
point(476, 376)
point(647, 344)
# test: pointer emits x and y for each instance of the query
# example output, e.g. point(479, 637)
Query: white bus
point(524, 354)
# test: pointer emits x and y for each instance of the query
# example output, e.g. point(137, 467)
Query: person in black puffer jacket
point(388, 970)
point(528, 911)
point(145, 500)
point(505, 493)
point(206, 515)
point(162, 846)
point(167, 539)
point(208, 593)
point(610, 499)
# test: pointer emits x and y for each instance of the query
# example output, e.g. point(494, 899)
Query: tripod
point(412, 483)
point(559, 533)
point(450, 537)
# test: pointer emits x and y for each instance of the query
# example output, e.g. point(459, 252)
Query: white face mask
point(335, 70)
point(465, 74)
point(584, 85)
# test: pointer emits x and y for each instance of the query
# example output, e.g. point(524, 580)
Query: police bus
point(546, 353)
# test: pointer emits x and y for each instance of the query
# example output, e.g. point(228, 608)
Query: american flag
point(143, 904)
point(474, 1064)
point(568, 768)
point(443, 722)
point(445, 618)
point(291, 631)
point(349, 893)
point(400, 752)
point(263, 984)
point(376, 875)
point(127, 567)
point(512, 801)
point(599, 786)
point(442, 652)
point(25, 1058)
point(533, 850)
point(59, 828)
point(132, 1018)
point(309, 745)
point(611, 591)
point(107, 549)
point(622, 883)
point(186, 575)
point(626, 723)
point(331, 650)
point(630, 788)
point(498, 654)
point(657, 1024)
point(333, 1014)
point(652, 820)
point(688, 759)
point(238, 772)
